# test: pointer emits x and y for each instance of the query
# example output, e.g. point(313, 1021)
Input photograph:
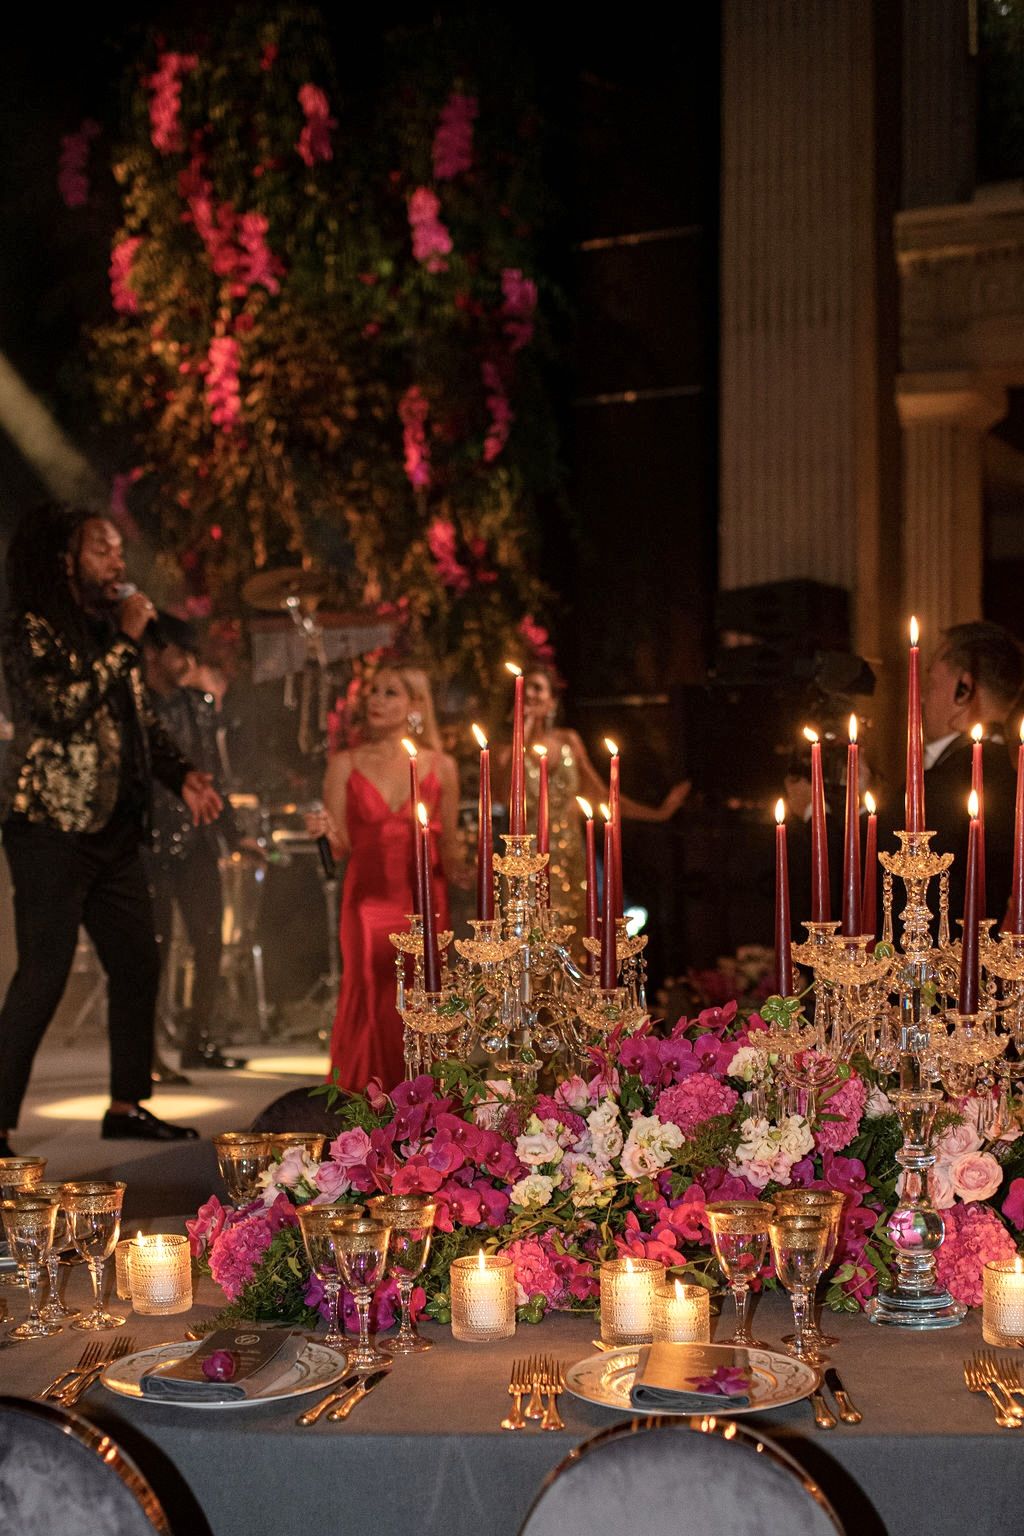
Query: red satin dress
point(367, 1037)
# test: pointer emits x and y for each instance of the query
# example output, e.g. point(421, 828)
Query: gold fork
point(64, 1378)
point(1005, 1376)
point(552, 1382)
point(518, 1383)
point(535, 1407)
point(117, 1351)
point(977, 1381)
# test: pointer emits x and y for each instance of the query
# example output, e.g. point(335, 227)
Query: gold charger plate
point(316, 1369)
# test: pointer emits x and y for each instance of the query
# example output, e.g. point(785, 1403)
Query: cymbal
point(271, 590)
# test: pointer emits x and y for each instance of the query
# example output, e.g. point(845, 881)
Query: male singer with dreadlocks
point(75, 801)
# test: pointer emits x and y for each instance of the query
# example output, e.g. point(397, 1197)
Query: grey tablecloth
point(424, 1454)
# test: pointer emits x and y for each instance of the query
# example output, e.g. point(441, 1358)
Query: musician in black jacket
point(76, 799)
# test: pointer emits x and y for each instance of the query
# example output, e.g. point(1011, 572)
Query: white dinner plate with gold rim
point(777, 1379)
point(316, 1369)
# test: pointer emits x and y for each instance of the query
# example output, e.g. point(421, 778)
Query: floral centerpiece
point(622, 1159)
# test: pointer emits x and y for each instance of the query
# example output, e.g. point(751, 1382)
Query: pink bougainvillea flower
point(413, 410)
point(122, 259)
point(501, 413)
point(72, 181)
point(442, 541)
point(453, 139)
point(431, 242)
point(315, 139)
point(165, 103)
point(519, 301)
point(223, 393)
point(537, 638)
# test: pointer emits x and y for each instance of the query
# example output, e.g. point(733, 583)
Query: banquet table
point(424, 1453)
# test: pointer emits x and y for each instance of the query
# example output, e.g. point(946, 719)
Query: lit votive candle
point(627, 1299)
point(123, 1268)
point(682, 1314)
point(160, 1270)
point(483, 1298)
point(1002, 1305)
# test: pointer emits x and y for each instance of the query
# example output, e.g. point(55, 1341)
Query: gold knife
point(823, 1415)
point(357, 1394)
point(847, 1412)
point(334, 1396)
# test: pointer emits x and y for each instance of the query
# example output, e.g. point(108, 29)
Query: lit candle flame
point(612, 746)
point(481, 739)
point(510, 666)
point(586, 807)
point(915, 631)
point(605, 812)
point(1018, 1265)
point(780, 811)
point(410, 747)
point(1022, 728)
point(869, 801)
point(680, 1291)
point(853, 727)
point(540, 749)
point(977, 731)
point(811, 736)
point(481, 1262)
point(629, 1266)
point(972, 804)
point(421, 815)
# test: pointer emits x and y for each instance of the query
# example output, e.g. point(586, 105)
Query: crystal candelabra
point(515, 992)
point(893, 1003)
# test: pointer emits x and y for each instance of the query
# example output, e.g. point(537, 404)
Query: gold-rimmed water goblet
point(832, 1201)
point(411, 1220)
point(242, 1156)
point(317, 1223)
point(29, 1221)
point(739, 1236)
point(56, 1310)
point(311, 1142)
point(18, 1175)
point(94, 1223)
point(362, 1250)
point(799, 1244)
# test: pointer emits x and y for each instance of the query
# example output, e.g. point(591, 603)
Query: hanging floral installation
point(330, 322)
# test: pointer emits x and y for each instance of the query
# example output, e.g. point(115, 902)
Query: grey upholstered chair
point(61, 1476)
point(296, 1111)
point(680, 1477)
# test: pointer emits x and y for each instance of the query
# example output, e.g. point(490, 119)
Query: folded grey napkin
point(258, 1358)
point(690, 1378)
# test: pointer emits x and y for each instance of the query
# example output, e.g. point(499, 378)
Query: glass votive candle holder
point(483, 1298)
point(123, 1268)
point(1002, 1302)
point(627, 1299)
point(160, 1270)
point(682, 1314)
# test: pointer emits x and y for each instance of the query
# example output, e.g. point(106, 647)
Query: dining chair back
point(680, 1477)
point(61, 1476)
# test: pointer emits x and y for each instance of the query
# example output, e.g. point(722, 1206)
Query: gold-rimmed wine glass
point(411, 1220)
point(56, 1310)
point(242, 1156)
point(311, 1142)
point(799, 1243)
point(832, 1201)
point(316, 1223)
point(29, 1221)
point(739, 1236)
point(17, 1175)
point(362, 1250)
point(94, 1222)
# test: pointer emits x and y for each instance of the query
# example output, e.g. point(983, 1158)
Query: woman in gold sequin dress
point(571, 773)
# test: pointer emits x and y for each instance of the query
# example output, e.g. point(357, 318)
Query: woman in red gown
point(367, 819)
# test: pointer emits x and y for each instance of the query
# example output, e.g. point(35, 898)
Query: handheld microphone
point(323, 847)
point(122, 593)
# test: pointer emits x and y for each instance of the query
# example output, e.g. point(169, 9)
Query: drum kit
point(299, 645)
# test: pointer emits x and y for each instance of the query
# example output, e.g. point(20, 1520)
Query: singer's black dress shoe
point(137, 1124)
point(211, 1058)
point(166, 1075)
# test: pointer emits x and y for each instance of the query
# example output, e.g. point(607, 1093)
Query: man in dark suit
point(975, 677)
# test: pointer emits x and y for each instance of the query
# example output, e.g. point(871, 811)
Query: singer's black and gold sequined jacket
point(64, 764)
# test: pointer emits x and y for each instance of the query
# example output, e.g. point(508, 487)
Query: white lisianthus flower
point(295, 1166)
point(533, 1192)
point(605, 1131)
point(537, 1146)
point(769, 1151)
point(878, 1104)
point(747, 1064)
point(649, 1146)
point(587, 1184)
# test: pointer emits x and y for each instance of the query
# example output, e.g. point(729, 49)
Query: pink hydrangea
point(696, 1099)
point(519, 301)
point(72, 181)
point(413, 410)
point(431, 242)
point(223, 394)
point(122, 259)
point(315, 139)
point(442, 541)
point(501, 413)
point(165, 104)
point(237, 1252)
point(847, 1102)
point(540, 1270)
point(453, 140)
point(974, 1237)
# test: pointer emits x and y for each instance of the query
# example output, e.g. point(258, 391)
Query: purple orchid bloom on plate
point(221, 1365)
point(724, 1381)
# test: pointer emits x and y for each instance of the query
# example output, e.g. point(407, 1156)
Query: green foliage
point(277, 1286)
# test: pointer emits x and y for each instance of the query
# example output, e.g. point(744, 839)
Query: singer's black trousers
point(63, 881)
point(192, 879)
